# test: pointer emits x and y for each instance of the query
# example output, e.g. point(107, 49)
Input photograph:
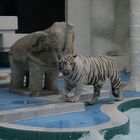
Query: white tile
point(8, 23)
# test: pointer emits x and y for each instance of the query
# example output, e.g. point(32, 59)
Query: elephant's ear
point(52, 40)
point(39, 39)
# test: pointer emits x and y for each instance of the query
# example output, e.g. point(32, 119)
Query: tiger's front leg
point(65, 92)
point(77, 94)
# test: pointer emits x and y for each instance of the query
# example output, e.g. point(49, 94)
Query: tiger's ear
point(74, 55)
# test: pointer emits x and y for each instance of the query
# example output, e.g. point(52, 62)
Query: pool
point(133, 115)
point(28, 128)
point(92, 115)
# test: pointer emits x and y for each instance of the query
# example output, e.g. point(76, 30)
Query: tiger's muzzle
point(66, 72)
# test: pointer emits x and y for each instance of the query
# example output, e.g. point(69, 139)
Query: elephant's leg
point(51, 81)
point(17, 75)
point(17, 79)
point(35, 78)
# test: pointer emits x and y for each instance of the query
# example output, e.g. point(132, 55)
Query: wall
point(101, 28)
point(110, 30)
point(102, 21)
point(77, 13)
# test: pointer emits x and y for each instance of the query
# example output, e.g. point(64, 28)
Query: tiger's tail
point(122, 85)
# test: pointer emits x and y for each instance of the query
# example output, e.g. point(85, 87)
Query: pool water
point(133, 115)
point(134, 134)
point(93, 135)
point(91, 116)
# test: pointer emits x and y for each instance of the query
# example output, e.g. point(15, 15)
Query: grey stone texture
point(134, 84)
point(33, 59)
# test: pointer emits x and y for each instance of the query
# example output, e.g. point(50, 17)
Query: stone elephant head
point(61, 37)
point(55, 42)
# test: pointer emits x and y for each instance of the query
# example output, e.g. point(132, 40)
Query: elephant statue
point(33, 59)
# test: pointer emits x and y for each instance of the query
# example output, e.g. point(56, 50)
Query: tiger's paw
point(65, 98)
point(89, 103)
point(119, 99)
point(74, 99)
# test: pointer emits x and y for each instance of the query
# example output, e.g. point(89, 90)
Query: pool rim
point(119, 124)
point(117, 118)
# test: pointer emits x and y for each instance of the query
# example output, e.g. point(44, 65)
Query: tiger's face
point(66, 64)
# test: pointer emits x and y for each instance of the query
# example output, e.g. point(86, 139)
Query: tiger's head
point(67, 64)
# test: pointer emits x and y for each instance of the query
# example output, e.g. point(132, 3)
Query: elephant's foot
point(28, 92)
point(35, 93)
point(42, 93)
point(24, 91)
point(50, 92)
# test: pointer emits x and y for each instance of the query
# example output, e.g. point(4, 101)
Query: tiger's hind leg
point(117, 92)
point(117, 87)
point(96, 94)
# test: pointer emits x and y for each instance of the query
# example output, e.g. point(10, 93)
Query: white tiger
point(79, 71)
